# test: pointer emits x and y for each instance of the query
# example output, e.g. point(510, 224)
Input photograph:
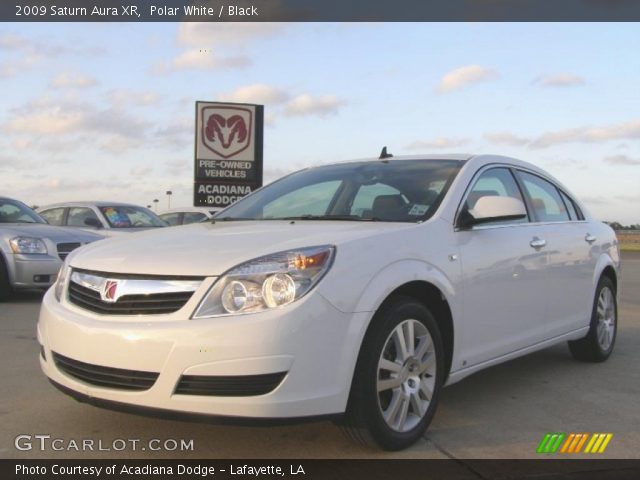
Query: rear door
point(571, 259)
point(504, 276)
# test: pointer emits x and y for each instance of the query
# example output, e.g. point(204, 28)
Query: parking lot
point(502, 412)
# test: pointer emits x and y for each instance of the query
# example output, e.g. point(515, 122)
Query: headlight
point(27, 245)
point(61, 280)
point(266, 282)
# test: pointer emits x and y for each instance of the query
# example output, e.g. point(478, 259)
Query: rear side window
point(78, 215)
point(545, 199)
point(53, 216)
point(171, 218)
point(495, 182)
point(193, 217)
point(571, 207)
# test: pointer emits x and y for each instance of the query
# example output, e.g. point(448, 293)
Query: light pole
point(169, 193)
point(155, 204)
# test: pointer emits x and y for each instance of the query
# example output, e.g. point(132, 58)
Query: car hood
point(42, 230)
point(206, 249)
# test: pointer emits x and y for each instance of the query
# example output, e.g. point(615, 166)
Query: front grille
point(156, 303)
point(229, 386)
point(109, 377)
point(65, 249)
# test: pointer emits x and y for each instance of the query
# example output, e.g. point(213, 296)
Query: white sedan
point(353, 290)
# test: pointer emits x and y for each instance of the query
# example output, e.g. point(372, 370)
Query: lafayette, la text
point(155, 470)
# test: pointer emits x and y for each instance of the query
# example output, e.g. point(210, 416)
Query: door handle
point(537, 243)
point(589, 238)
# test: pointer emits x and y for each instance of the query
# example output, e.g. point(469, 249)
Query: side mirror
point(92, 222)
point(491, 209)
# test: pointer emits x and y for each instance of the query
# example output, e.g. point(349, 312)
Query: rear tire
point(398, 376)
point(599, 342)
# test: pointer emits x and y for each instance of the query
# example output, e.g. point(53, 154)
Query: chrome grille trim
point(110, 294)
point(65, 249)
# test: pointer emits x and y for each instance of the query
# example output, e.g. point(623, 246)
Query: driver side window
point(495, 182)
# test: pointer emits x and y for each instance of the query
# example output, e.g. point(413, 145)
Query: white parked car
point(107, 218)
point(187, 215)
point(355, 289)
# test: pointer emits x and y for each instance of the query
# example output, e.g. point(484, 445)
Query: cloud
point(625, 130)
point(438, 143)
point(71, 80)
point(123, 97)
point(256, 93)
point(594, 200)
point(306, 104)
point(178, 133)
point(621, 160)
point(46, 47)
point(52, 121)
point(559, 80)
point(506, 138)
point(178, 167)
point(206, 34)
point(629, 130)
point(200, 59)
point(465, 76)
point(19, 65)
point(63, 125)
point(141, 171)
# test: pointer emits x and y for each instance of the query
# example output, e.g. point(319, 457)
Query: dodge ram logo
point(108, 293)
point(226, 131)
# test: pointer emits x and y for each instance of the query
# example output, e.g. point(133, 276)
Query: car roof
point(97, 203)
point(446, 156)
point(190, 210)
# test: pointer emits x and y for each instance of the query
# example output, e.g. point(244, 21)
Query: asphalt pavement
point(501, 412)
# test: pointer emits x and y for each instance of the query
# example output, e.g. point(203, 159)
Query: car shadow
point(26, 296)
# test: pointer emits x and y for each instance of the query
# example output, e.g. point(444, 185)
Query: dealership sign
point(228, 152)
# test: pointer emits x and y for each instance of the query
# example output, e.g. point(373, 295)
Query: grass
point(629, 242)
point(630, 247)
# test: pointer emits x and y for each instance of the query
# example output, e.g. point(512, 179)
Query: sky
point(105, 111)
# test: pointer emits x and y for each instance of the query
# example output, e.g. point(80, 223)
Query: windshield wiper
point(231, 219)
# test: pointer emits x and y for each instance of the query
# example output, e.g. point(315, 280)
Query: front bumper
point(313, 342)
point(33, 271)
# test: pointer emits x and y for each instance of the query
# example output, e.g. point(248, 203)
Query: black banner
point(320, 11)
point(458, 469)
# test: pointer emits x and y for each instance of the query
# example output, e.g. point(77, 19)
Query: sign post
point(228, 152)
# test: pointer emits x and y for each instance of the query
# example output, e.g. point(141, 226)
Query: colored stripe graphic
point(572, 443)
point(598, 443)
point(550, 443)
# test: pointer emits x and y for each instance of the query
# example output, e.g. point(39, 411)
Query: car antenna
point(384, 154)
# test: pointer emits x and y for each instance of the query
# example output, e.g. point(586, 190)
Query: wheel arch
point(431, 297)
point(422, 281)
point(611, 274)
point(608, 268)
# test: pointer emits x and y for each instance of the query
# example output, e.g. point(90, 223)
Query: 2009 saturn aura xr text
point(355, 289)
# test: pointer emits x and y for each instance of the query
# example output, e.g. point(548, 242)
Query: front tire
point(398, 376)
point(5, 287)
point(599, 342)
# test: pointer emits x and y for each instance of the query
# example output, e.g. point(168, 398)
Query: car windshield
point(17, 212)
point(389, 191)
point(131, 217)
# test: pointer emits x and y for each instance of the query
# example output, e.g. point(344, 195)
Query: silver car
point(32, 251)
point(109, 218)
point(188, 215)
